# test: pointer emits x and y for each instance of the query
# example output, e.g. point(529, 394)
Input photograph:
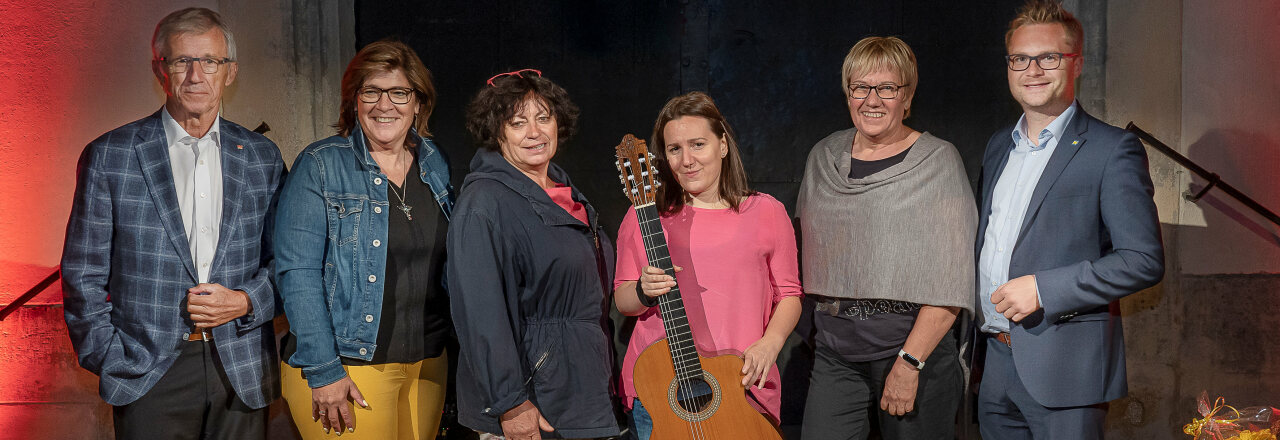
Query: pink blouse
point(563, 195)
point(737, 267)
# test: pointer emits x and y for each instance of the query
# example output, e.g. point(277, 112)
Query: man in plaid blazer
point(166, 266)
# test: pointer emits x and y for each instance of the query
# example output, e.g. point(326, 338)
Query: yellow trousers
point(405, 400)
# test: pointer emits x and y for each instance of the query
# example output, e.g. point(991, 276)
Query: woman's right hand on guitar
point(655, 282)
point(331, 405)
point(523, 422)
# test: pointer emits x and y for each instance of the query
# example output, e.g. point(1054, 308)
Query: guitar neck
point(684, 355)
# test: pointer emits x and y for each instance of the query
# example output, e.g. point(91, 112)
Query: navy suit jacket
point(126, 263)
point(1090, 236)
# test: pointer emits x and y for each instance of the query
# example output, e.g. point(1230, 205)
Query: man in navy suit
point(1067, 227)
point(167, 258)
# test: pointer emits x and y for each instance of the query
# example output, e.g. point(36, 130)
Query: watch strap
point(911, 360)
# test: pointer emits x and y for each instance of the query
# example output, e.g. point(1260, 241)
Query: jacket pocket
point(347, 213)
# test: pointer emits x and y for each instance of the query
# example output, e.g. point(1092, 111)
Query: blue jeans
point(641, 423)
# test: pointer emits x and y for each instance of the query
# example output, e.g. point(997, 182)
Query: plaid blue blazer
point(126, 264)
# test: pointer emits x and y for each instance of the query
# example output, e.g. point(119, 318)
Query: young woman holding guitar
point(733, 254)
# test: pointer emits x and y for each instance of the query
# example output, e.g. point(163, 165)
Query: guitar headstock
point(636, 171)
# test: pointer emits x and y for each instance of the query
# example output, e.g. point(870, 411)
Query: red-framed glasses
point(519, 74)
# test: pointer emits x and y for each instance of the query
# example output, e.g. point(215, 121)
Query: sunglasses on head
point(518, 74)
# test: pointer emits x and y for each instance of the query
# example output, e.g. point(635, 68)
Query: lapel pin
point(239, 147)
point(1075, 142)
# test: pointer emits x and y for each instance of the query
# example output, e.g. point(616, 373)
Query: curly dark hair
point(496, 104)
point(386, 56)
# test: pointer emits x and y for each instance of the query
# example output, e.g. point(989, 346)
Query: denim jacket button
point(377, 180)
point(377, 209)
point(377, 243)
point(368, 318)
point(363, 352)
point(373, 278)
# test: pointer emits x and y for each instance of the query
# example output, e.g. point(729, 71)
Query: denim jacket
point(331, 229)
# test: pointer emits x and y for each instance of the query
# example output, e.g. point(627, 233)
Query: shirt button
point(204, 230)
point(993, 283)
point(368, 318)
point(201, 161)
point(377, 243)
point(1001, 249)
point(205, 264)
point(377, 180)
point(1035, 153)
point(377, 209)
point(363, 352)
point(373, 278)
point(202, 195)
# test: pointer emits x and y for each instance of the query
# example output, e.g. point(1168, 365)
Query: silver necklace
point(404, 207)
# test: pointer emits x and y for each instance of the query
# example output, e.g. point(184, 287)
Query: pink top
point(563, 196)
point(737, 266)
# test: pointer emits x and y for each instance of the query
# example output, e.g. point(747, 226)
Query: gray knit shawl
point(905, 233)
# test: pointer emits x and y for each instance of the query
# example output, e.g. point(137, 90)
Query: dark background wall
point(773, 68)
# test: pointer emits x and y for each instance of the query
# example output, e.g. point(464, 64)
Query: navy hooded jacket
point(529, 287)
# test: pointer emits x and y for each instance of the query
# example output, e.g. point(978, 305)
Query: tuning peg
point(651, 156)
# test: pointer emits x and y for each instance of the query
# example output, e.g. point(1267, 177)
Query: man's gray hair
point(190, 21)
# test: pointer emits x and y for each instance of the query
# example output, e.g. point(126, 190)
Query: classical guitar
point(689, 396)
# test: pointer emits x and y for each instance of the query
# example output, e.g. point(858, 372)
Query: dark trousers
point(193, 400)
point(1006, 411)
point(844, 395)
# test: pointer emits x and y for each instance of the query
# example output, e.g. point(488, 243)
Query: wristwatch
point(911, 360)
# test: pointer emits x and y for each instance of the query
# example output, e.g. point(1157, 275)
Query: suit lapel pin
point(1075, 142)
point(239, 147)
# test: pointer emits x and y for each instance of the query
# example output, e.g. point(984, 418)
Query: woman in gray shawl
point(887, 223)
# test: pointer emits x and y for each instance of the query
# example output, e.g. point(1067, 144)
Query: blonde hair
point(1048, 12)
point(875, 53)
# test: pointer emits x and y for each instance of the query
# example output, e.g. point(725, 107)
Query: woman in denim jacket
point(359, 243)
point(528, 273)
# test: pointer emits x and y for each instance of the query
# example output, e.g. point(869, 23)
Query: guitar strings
point(666, 306)
point(667, 312)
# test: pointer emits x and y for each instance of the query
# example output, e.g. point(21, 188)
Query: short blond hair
point(874, 53)
point(1048, 12)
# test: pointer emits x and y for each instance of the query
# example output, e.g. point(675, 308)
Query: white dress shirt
point(197, 178)
point(1009, 202)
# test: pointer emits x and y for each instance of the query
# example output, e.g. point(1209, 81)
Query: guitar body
point(722, 414)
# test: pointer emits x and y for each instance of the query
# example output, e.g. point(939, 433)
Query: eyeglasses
point(883, 90)
point(208, 65)
point(398, 95)
point(1047, 61)
point(518, 74)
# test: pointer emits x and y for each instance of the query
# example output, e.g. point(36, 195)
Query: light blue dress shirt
point(1009, 202)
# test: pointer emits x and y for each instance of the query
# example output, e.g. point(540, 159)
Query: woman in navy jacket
point(528, 267)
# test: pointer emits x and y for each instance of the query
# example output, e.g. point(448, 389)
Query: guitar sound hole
point(694, 395)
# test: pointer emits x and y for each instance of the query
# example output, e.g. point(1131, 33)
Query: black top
point(860, 169)
point(415, 310)
point(414, 323)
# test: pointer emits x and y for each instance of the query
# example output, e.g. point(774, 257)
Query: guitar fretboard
point(671, 307)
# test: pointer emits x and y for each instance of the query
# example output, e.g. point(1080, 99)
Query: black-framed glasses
point(208, 65)
point(519, 74)
point(398, 95)
point(883, 90)
point(1047, 61)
